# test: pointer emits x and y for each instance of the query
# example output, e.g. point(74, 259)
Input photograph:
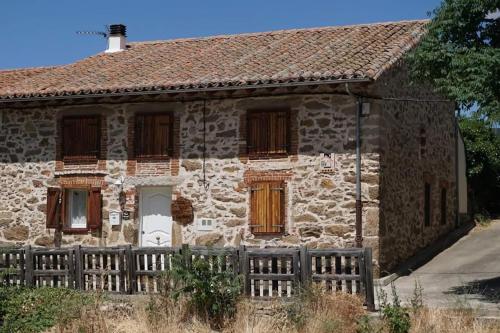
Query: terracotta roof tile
point(317, 54)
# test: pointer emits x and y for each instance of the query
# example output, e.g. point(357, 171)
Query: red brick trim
point(82, 181)
point(251, 176)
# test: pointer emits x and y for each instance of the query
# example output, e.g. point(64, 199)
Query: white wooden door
point(156, 218)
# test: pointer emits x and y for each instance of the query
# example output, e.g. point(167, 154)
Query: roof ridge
point(273, 32)
point(12, 70)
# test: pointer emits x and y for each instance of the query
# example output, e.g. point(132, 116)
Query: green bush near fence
point(29, 310)
point(211, 291)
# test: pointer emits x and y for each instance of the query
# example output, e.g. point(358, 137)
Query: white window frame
point(70, 207)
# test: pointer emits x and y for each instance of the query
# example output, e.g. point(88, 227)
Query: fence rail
point(267, 273)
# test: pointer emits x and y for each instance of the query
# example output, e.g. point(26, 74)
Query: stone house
point(250, 139)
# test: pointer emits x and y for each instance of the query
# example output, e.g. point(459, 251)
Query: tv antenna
point(104, 34)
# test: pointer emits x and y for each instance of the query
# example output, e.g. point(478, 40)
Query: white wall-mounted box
point(205, 224)
point(115, 217)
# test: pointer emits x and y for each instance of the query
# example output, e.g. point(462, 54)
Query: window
point(267, 207)
point(76, 212)
point(427, 204)
point(423, 142)
point(81, 138)
point(154, 136)
point(444, 207)
point(268, 134)
point(74, 209)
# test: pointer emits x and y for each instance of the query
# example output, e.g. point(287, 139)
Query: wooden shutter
point(256, 137)
point(276, 207)
point(267, 133)
point(94, 219)
point(267, 205)
point(154, 135)
point(162, 135)
point(81, 138)
point(53, 207)
point(278, 132)
point(259, 196)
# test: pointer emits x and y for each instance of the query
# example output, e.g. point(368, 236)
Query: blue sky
point(43, 32)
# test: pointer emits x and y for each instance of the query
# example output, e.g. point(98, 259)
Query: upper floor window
point(268, 134)
point(81, 138)
point(154, 136)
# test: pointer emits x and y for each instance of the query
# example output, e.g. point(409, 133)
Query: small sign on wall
point(182, 211)
point(327, 162)
point(126, 215)
point(114, 217)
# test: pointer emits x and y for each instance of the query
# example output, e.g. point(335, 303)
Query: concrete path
point(466, 274)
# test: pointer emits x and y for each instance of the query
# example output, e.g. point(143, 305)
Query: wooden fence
point(266, 273)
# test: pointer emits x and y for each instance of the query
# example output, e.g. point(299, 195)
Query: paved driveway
point(466, 273)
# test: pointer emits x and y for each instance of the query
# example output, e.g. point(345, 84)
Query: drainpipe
point(359, 205)
point(457, 179)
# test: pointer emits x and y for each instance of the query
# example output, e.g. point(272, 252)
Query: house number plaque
point(182, 211)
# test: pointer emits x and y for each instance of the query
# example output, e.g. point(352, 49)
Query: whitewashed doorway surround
point(156, 217)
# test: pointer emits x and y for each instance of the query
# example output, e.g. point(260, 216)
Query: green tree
point(460, 55)
point(483, 161)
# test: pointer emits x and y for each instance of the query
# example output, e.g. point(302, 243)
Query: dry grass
point(450, 321)
point(313, 312)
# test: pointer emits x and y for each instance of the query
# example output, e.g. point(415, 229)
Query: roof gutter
point(191, 90)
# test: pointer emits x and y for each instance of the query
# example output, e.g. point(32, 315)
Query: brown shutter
point(253, 133)
point(90, 138)
point(162, 135)
point(94, 208)
point(281, 134)
point(276, 207)
point(81, 137)
point(259, 200)
point(53, 207)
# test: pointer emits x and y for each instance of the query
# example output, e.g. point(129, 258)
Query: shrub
point(35, 310)
point(211, 292)
point(394, 315)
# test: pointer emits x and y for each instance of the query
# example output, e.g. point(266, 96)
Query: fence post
point(130, 269)
point(186, 258)
point(243, 263)
point(29, 266)
point(71, 269)
point(78, 267)
point(370, 297)
point(304, 266)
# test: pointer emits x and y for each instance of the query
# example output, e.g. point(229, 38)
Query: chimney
point(117, 38)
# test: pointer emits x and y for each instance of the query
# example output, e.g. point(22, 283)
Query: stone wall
point(320, 205)
point(417, 144)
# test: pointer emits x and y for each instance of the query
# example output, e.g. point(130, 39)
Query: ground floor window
point(444, 207)
point(74, 209)
point(76, 212)
point(427, 204)
point(267, 207)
